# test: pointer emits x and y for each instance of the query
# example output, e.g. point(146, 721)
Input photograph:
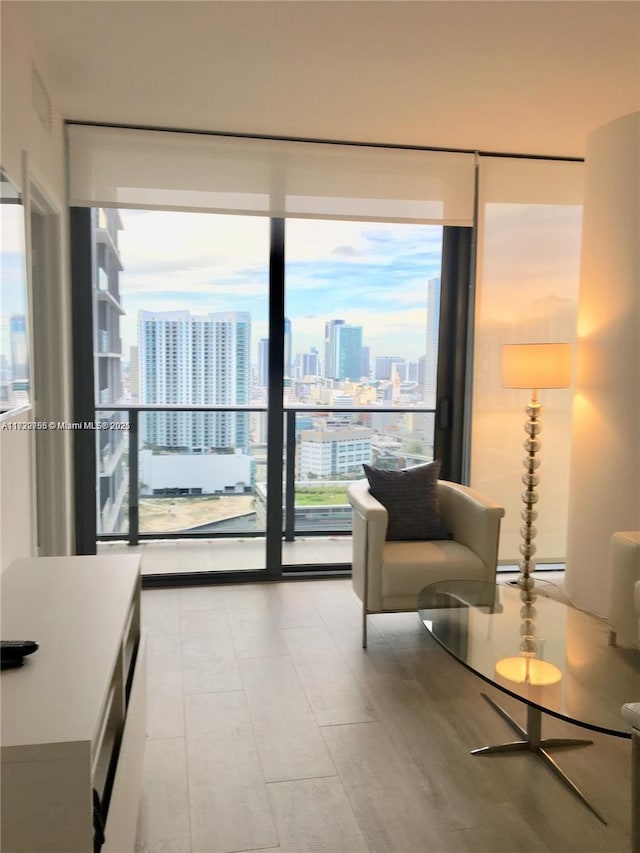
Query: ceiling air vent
point(40, 99)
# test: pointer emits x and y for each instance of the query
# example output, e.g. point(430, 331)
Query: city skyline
point(313, 356)
point(172, 262)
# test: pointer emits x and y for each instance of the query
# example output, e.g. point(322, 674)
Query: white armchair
point(624, 603)
point(388, 576)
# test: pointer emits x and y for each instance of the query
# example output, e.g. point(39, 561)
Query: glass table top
point(568, 670)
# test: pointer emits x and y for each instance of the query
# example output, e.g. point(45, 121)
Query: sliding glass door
point(244, 369)
point(194, 291)
point(179, 302)
point(362, 305)
point(237, 405)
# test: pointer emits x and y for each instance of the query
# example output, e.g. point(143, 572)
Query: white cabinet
point(73, 717)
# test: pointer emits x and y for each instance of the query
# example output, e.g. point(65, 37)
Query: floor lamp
point(532, 367)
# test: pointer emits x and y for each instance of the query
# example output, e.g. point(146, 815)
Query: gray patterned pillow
point(410, 496)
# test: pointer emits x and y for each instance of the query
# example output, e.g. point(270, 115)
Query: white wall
point(17, 517)
point(21, 127)
point(24, 139)
point(211, 473)
point(604, 494)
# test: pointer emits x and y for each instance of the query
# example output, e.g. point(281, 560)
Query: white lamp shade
point(536, 365)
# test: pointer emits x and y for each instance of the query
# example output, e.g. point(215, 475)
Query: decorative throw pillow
point(410, 496)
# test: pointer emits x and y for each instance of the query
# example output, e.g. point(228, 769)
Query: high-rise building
point(188, 360)
point(134, 374)
point(108, 384)
point(330, 369)
point(431, 355)
point(308, 363)
point(17, 386)
point(348, 352)
point(327, 452)
point(365, 365)
point(384, 366)
point(422, 361)
point(263, 362)
point(19, 350)
point(400, 370)
point(288, 363)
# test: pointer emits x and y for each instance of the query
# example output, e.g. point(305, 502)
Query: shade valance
point(524, 180)
point(122, 167)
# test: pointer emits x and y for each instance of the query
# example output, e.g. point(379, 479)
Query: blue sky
point(368, 274)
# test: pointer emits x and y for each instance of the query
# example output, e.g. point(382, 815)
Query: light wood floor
point(271, 729)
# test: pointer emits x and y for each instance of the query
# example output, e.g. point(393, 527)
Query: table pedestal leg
point(532, 741)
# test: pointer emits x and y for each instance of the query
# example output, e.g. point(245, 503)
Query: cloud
point(370, 274)
point(345, 252)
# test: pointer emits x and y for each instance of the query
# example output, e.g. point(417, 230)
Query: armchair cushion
point(410, 497)
point(404, 571)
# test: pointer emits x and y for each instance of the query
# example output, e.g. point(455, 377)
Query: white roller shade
point(183, 171)
point(519, 180)
point(527, 280)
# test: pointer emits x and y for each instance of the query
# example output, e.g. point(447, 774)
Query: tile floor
point(270, 728)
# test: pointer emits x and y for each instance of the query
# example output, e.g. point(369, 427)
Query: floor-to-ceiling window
point(362, 305)
point(184, 297)
point(180, 305)
point(264, 378)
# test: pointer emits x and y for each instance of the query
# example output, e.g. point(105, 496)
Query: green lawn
point(321, 495)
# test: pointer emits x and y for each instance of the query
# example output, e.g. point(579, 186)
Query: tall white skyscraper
point(188, 360)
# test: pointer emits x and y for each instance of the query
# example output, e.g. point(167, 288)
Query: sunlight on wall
point(527, 292)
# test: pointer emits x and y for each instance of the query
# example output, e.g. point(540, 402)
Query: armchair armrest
point(370, 521)
point(631, 713)
point(473, 520)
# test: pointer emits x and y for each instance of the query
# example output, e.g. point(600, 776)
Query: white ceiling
point(529, 76)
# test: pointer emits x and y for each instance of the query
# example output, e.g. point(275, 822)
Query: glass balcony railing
point(202, 471)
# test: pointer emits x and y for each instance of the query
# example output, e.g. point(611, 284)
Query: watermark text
point(64, 426)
